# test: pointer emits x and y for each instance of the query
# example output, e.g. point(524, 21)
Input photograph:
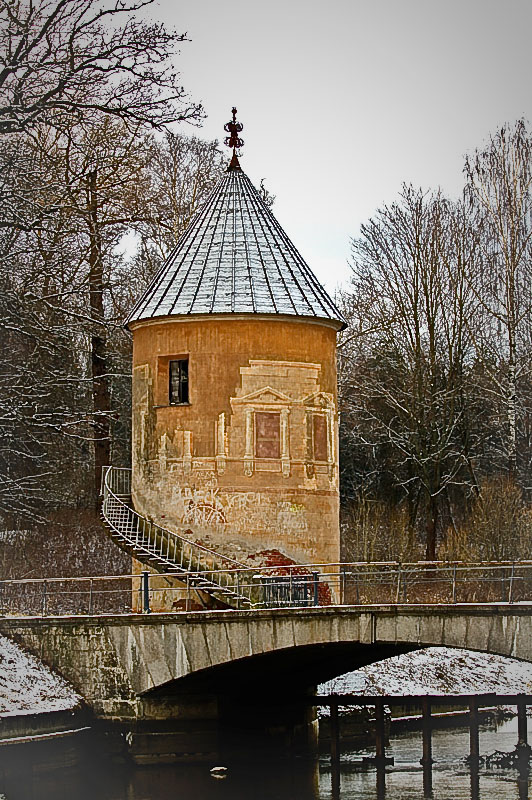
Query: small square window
point(178, 374)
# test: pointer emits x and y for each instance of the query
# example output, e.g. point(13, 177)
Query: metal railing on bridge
point(289, 587)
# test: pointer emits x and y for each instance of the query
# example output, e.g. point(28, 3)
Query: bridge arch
point(290, 671)
point(122, 664)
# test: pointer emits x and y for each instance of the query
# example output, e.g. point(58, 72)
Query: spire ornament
point(234, 128)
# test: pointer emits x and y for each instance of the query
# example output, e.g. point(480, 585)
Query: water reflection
point(427, 781)
point(449, 778)
point(82, 770)
point(380, 783)
point(86, 768)
point(475, 783)
point(523, 785)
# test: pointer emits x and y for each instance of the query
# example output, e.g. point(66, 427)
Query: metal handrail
point(167, 549)
point(290, 587)
point(335, 570)
point(125, 470)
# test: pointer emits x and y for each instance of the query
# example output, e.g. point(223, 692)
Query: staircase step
point(125, 526)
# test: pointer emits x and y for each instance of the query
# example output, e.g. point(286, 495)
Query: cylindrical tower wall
point(249, 454)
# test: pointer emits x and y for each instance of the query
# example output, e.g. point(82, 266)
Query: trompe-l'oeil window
point(267, 435)
point(319, 438)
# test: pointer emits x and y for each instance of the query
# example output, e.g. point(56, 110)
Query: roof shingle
point(234, 258)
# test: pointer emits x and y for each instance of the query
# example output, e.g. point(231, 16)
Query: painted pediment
point(319, 400)
point(266, 395)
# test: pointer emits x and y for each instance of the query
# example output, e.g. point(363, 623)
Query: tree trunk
point(512, 382)
point(100, 380)
point(431, 530)
point(512, 423)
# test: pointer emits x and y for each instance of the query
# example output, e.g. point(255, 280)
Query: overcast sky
point(343, 100)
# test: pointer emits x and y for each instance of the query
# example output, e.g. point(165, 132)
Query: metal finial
point(233, 127)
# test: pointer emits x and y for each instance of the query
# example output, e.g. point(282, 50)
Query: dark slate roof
point(234, 258)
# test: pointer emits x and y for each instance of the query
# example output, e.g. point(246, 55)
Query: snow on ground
point(436, 670)
point(28, 687)
point(9, 537)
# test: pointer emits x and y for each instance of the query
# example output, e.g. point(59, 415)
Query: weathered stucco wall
point(201, 468)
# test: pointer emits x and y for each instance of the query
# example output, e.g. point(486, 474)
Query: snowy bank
point(436, 671)
point(28, 687)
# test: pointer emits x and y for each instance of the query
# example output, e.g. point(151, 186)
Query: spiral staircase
point(166, 551)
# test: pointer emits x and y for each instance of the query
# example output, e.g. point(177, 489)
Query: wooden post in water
point(474, 748)
point(380, 733)
point(427, 780)
point(522, 733)
point(380, 760)
point(523, 748)
point(426, 760)
point(335, 751)
point(475, 783)
point(473, 732)
point(380, 783)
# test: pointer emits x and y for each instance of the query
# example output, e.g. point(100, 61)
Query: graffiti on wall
point(208, 506)
point(291, 516)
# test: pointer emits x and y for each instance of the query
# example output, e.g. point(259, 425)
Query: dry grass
point(496, 527)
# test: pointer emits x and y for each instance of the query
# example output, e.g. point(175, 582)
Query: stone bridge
point(120, 664)
point(241, 665)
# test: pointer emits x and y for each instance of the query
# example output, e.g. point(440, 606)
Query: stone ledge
point(19, 727)
point(224, 615)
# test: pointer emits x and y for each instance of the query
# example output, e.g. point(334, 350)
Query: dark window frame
point(178, 396)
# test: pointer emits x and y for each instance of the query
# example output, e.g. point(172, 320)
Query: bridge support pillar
point(281, 726)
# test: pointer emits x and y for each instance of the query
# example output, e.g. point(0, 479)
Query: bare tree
point(405, 361)
point(80, 82)
point(499, 190)
point(78, 193)
point(34, 401)
point(70, 59)
point(183, 170)
point(103, 170)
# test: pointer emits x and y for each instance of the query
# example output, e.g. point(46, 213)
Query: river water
point(82, 767)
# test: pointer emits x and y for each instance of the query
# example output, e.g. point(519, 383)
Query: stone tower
point(235, 422)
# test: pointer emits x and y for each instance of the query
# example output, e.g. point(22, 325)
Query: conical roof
point(234, 258)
